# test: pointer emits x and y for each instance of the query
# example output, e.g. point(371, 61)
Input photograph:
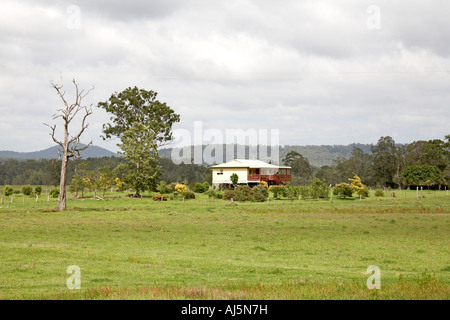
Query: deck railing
point(269, 177)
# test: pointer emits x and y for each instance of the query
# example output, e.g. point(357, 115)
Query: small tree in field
point(8, 191)
point(343, 190)
point(69, 144)
point(234, 179)
point(358, 186)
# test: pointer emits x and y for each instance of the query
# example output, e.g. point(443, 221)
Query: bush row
point(245, 193)
point(26, 190)
point(315, 189)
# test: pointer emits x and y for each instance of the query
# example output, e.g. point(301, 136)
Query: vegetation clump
point(343, 190)
point(27, 190)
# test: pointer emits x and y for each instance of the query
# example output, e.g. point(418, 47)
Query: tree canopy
point(138, 105)
point(422, 175)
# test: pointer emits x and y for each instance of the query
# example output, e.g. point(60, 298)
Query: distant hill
point(52, 153)
point(317, 155)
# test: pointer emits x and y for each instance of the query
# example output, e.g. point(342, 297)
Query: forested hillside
point(317, 155)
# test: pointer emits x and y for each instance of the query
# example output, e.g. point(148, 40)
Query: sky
point(317, 72)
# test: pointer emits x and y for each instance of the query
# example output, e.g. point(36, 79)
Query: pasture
point(129, 248)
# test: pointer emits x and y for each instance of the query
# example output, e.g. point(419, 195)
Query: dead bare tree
point(69, 145)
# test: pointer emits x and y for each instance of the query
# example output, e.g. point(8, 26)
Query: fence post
point(2, 199)
point(37, 198)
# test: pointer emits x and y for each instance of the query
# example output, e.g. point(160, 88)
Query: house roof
point(245, 163)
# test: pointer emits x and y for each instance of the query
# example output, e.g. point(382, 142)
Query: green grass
point(203, 249)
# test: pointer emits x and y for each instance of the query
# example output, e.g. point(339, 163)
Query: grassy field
point(202, 249)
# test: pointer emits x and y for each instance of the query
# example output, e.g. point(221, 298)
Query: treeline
point(386, 164)
point(317, 155)
point(47, 172)
point(421, 163)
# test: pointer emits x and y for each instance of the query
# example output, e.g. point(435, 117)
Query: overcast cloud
point(322, 72)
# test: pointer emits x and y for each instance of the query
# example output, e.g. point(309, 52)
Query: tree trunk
point(62, 185)
point(63, 180)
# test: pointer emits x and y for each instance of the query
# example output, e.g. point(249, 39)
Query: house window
point(220, 172)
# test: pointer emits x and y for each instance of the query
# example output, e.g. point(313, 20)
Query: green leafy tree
point(388, 160)
point(290, 157)
point(8, 191)
point(234, 179)
point(318, 189)
point(343, 190)
point(78, 184)
point(140, 150)
point(105, 178)
point(301, 168)
point(421, 175)
point(359, 163)
point(38, 190)
point(135, 105)
point(199, 188)
point(27, 190)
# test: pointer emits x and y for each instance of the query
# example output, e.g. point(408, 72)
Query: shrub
point(38, 190)
point(379, 193)
point(206, 186)
point(292, 192)
point(8, 191)
point(199, 188)
point(211, 193)
point(163, 187)
point(318, 189)
point(27, 190)
point(190, 186)
point(343, 190)
point(214, 194)
point(228, 194)
point(244, 193)
point(277, 191)
point(17, 191)
point(55, 193)
point(159, 197)
point(303, 191)
point(364, 192)
point(189, 195)
point(260, 193)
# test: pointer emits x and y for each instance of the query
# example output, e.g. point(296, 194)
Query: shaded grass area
point(203, 249)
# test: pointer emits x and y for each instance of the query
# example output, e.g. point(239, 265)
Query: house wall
point(227, 172)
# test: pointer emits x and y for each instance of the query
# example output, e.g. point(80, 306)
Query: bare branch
point(83, 125)
point(75, 152)
point(53, 135)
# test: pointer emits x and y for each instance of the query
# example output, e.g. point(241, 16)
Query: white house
point(250, 172)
